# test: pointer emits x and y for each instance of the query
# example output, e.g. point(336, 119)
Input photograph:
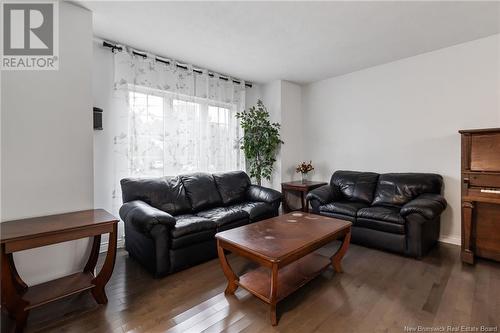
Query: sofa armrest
point(263, 194)
point(421, 234)
point(323, 194)
point(144, 217)
point(427, 205)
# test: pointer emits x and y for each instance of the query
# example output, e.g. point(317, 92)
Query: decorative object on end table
point(304, 168)
point(260, 142)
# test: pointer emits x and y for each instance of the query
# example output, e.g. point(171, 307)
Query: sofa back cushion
point(355, 185)
point(396, 189)
point(232, 186)
point(165, 193)
point(201, 190)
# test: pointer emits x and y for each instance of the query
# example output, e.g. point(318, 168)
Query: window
point(170, 134)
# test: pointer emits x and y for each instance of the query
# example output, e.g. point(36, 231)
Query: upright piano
point(480, 194)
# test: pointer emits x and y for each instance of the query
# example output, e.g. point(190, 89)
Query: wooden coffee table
point(284, 247)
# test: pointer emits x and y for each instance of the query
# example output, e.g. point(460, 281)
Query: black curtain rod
point(113, 47)
point(116, 47)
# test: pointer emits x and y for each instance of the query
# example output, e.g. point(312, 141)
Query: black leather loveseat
point(399, 212)
point(170, 222)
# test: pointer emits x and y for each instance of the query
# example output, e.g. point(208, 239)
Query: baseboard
point(451, 240)
point(119, 244)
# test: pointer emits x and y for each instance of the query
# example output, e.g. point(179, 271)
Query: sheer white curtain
point(168, 121)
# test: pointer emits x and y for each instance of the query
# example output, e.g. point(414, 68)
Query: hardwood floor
point(378, 292)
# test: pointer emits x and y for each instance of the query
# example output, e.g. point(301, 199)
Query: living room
point(250, 166)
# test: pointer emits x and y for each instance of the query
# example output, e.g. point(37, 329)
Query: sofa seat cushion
point(383, 226)
point(223, 215)
point(386, 219)
point(339, 216)
point(381, 213)
point(349, 208)
point(233, 225)
point(188, 240)
point(256, 210)
point(190, 224)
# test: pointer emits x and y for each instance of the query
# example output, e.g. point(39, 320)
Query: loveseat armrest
point(144, 217)
point(428, 205)
point(324, 194)
point(263, 194)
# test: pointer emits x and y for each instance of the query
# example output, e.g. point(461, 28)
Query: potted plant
point(260, 142)
point(304, 168)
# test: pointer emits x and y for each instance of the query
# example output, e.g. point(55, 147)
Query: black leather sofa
point(170, 222)
point(398, 212)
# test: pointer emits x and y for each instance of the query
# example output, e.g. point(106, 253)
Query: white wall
point(102, 83)
point(252, 95)
point(102, 93)
point(47, 145)
point(271, 97)
point(283, 100)
point(291, 130)
point(404, 116)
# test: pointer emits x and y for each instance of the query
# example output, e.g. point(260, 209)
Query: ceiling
point(296, 41)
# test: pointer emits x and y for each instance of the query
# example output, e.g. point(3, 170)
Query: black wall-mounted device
point(97, 118)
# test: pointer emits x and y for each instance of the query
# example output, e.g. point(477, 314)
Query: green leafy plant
point(260, 142)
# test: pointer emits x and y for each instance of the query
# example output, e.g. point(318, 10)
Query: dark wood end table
point(17, 298)
point(299, 186)
point(285, 247)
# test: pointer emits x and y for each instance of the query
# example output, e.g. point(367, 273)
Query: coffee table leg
point(232, 279)
point(274, 294)
point(337, 257)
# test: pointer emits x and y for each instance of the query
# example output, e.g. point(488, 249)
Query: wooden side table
point(17, 298)
point(299, 186)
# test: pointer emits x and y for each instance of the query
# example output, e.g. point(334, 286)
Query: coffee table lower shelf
point(290, 278)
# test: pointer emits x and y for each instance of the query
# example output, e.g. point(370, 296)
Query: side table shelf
point(56, 289)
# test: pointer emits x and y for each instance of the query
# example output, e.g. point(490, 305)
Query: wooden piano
point(480, 194)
